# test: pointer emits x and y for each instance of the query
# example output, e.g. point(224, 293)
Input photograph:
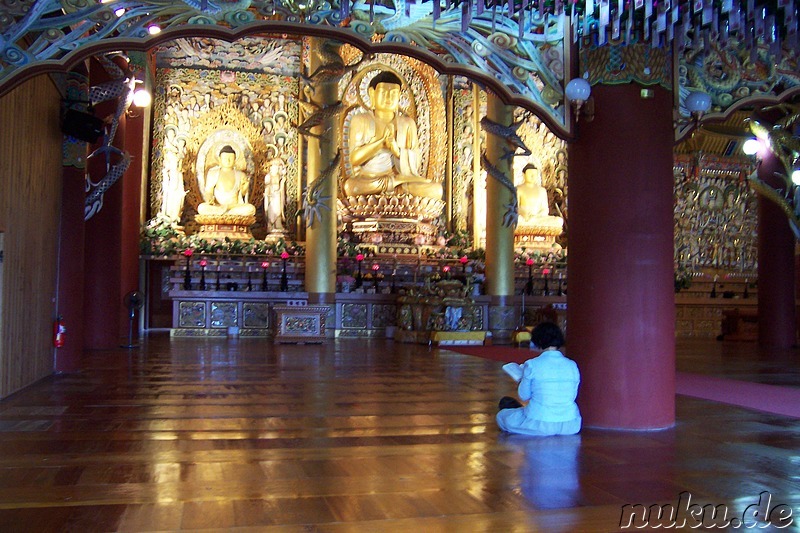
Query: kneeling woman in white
point(549, 384)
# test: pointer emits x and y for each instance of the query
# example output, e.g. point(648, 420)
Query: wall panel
point(30, 191)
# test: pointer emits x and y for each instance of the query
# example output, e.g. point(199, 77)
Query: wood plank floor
point(357, 435)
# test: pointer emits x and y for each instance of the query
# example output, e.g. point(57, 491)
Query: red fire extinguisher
point(59, 329)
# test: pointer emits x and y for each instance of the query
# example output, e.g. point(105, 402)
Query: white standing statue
point(274, 195)
point(173, 193)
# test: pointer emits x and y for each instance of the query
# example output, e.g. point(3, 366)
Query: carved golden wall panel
point(191, 104)
point(715, 216)
point(464, 127)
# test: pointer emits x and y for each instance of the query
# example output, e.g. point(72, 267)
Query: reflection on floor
point(361, 435)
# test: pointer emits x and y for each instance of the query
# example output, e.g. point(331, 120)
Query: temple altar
point(372, 157)
point(237, 305)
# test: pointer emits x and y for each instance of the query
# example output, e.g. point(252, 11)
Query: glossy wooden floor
point(357, 436)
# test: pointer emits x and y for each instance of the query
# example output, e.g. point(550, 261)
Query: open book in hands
point(514, 370)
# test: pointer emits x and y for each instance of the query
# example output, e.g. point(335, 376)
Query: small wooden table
point(300, 323)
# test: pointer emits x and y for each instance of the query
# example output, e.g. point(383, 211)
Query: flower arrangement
point(683, 279)
point(555, 258)
point(159, 238)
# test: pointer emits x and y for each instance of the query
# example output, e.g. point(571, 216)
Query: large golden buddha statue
point(384, 148)
point(535, 225)
point(227, 188)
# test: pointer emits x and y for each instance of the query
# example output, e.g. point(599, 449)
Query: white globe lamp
point(751, 146)
point(578, 91)
point(698, 103)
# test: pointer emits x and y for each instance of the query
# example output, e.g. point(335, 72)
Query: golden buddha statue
point(227, 188)
point(534, 207)
point(535, 226)
point(226, 211)
point(384, 147)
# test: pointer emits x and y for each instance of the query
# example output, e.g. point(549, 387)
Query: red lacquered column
point(620, 301)
point(102, 257)
point(777, 325)
point(132, 131)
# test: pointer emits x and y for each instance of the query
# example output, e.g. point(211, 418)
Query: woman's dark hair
point(547, 334)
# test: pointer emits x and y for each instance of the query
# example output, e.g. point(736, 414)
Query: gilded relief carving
point(256, 315)
point(715, 219)
point(197, 111)
point(354, 316)
point(192, 314)
point(224, 314)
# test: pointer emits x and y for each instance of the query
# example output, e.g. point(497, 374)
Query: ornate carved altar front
point(300, 323)
point(439, 312)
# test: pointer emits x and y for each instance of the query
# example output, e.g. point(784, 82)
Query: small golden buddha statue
point(227, 189)
point(536, 228)
point(534, 207)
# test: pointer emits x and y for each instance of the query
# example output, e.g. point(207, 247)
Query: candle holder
point(463, 260)
point(546, 274)
point(375, 268)
point(560, 288)
point(359, 279)
point(203, 264)
point(529, 285)
point(217, 285)
point(249, 282)
point(187, 276)
point(446, 270)
point(264, 284)
point(746, 293)
point(284, 278)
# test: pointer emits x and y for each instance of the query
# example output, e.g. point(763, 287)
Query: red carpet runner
point(758, 396)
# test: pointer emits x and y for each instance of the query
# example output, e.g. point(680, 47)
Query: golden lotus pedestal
point(389, 221)
point(395, 233)
point(540, 236)
point(221, 226)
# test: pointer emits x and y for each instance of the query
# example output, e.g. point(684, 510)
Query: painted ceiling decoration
point(524, 49)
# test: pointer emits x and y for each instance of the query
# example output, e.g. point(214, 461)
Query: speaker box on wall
point(83, 126)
